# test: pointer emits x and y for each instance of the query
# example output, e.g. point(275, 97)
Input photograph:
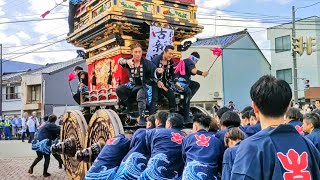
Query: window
point(285, 74)
point(34, 93)
point(283, 44)
point(12, 92)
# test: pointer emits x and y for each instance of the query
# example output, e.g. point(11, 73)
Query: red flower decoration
point(71, 76)
point(299, 129)
point(217, 51)
point(203, 140)
point(137, 3)
point(295, 164)
point(176, 137)
point(111, 141)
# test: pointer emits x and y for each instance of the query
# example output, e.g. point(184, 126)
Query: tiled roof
point(222, 41)
point(16, 66)
point(51, 68)
point(47, 69)
point(13, 76)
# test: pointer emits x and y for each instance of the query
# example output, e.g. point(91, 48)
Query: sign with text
point(158, 40)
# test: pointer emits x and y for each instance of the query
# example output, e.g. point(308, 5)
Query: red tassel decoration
point(45, 14)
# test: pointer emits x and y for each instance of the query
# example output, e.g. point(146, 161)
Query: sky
point(217, 16)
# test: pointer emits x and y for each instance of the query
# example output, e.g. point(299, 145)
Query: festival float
point(106, 29)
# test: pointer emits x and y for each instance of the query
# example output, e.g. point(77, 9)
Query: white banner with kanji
point(158, 40)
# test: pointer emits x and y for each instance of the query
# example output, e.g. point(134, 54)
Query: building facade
point(231, 77)
point(308, 66)
point(46, 88)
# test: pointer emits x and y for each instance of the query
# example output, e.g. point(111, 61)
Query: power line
point(31, 20)
point(40, 41)
point(39, 52)
point(37, 49)
point(308, 6)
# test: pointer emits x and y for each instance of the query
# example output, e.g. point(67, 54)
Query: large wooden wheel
point(104, 124)
point(74, 129)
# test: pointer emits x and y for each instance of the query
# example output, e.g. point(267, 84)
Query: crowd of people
point(268, 140)
point(271, 139)
point(19, 128)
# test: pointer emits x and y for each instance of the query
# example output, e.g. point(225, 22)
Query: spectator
point(311, 125)
point(231, 106)
point(18, 123)
point(1, 128)
point(7, 128)
point(278, 151)
point(32, 124)
point(25, 130)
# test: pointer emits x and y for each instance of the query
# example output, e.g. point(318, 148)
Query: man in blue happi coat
point(278, 151)
point(109, 159)
point(201, 151)
point(311, 125)
point(255, 125)
point(232, 140)
point(135, 162)
point(166, 158)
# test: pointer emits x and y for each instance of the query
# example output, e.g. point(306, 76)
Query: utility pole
point(294, 55)
point(1, 81)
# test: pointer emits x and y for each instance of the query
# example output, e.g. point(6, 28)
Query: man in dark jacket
point(46, 134)
point(191, 87)
point(141, 73)
point(163, 84)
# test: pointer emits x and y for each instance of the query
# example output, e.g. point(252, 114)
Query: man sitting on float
point(141, 73)
point(164, 83)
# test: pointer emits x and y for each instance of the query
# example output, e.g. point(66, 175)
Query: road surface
point(16, 158)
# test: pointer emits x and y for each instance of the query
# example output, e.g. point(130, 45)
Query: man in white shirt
point(24, 126)
point(32, 124)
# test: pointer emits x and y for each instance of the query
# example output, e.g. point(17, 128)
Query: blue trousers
point(7, 132)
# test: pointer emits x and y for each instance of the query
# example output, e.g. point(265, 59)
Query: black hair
point(196, 54)
point(248, 108)
point(317, 111)
point(245, 115)
point(272, 96)
point(221, 111)
point(252, 114)
point(168, 47)
point(46, 118)
point(162, 116)
point(152, 119)
point(313, 118)
point(230, 119)
point(78, 68)
point(52, 118)
point(202, 119)
point(176, 120)
point(294, 114)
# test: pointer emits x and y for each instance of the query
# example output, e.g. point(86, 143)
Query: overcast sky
point(253, 14)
